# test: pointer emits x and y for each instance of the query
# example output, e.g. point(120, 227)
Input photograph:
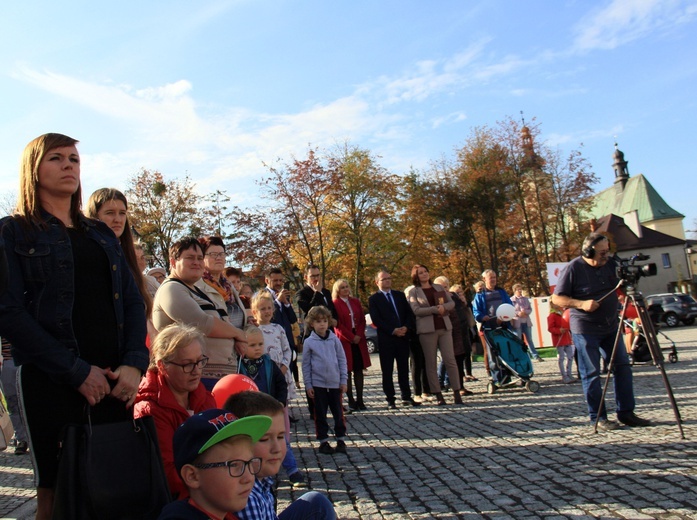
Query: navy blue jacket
point(36, 311)
point(285, 316)
point(384, 318)
point(274, 378)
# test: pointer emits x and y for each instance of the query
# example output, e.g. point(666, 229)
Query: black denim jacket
point(36, 310)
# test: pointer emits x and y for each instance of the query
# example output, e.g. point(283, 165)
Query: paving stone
point(513, 454)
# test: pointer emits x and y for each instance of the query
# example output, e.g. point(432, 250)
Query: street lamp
point(689, 251)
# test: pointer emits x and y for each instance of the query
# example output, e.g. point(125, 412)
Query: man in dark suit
point(314, 293)
point(283, 314)
point(391, 314)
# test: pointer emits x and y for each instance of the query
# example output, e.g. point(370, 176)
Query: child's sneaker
point(326, 448)
point(297, 480)
point(340, 447)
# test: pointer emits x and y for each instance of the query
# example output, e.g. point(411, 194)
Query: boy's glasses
point(189, 367)
point(234, 467)
point(216, 255)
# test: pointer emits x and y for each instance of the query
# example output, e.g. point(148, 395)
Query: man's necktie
point(391, 300)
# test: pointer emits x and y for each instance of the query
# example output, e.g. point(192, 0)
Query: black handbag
point(110, 471)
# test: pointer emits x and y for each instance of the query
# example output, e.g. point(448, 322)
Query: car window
point(686, 298)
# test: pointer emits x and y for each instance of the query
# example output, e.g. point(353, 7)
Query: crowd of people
point(99, 338)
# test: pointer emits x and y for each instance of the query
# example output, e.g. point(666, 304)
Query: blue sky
point(216, 88)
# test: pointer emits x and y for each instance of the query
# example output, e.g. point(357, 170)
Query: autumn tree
point(547, 195)
point(362, 204)
point(482, 173)
point(216, 215)
point(162, 211)
point(261, 241)
point(572, 197)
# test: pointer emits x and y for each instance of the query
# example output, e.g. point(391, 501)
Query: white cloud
point(162, 114)
point(430, 77)
point(222, 145)
point(454, 117)
point(622, 21)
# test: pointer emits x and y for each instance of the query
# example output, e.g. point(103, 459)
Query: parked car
point(676, 307)
point(371, 336)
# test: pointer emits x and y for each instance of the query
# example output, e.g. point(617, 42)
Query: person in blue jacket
point(487, 301)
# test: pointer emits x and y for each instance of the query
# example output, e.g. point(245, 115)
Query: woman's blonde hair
point(335, 288)
point(28, 203)
point(172, 338)
point(443, 280)
point(318, 312)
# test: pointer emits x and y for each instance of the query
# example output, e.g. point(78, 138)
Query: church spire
point(621, 171)
point(531, 159)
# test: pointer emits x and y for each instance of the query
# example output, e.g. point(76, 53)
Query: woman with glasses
point(216, 285)
point(179, 299)
point(172, 390)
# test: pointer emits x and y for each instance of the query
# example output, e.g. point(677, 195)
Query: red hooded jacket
point(156, 398)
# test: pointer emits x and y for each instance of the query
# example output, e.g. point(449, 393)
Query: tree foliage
point(504, 201)
point(162, 211)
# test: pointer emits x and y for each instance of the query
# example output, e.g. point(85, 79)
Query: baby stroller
point(509, 362)
point(638, 347)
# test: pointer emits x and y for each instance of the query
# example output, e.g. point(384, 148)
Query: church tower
point(621, 171)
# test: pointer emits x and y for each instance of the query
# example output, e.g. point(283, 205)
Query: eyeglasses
point(188, 258)
point(187, 368)
point(386, 278)
point(216, 255)
point(234, 467)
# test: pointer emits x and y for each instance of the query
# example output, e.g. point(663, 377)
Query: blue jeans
point(310, 506)
point(590, 348)
point(526, 330)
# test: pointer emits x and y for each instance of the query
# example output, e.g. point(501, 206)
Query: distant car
point(371, 335)
point(676, 307)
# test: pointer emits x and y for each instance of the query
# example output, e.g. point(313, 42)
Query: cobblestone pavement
point(512, 454)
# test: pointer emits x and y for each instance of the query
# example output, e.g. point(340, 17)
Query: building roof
point(624, 238)
point(639, 195)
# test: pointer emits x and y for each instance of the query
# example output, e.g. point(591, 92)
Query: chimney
point(631, 219)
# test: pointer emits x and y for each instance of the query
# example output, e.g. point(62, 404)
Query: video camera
point(629, 272)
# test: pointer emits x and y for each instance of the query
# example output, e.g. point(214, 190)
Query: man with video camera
point(587, 286)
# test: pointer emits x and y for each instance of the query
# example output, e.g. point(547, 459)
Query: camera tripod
point(634, 296)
